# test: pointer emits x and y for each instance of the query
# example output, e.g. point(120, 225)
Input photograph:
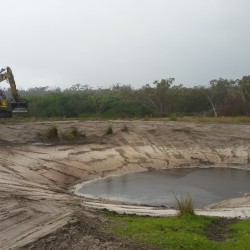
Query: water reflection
point(109, 185)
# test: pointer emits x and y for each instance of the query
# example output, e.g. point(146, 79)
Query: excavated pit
point(36, 174)
point(158, 187)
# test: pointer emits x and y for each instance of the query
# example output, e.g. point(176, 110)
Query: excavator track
point(19, 107)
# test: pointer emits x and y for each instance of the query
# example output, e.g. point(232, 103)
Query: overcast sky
point(103, 42)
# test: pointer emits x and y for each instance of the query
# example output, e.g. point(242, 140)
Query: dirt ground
point(37, 207)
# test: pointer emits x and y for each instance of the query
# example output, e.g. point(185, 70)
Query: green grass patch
point(238, 119)
point(185, 232)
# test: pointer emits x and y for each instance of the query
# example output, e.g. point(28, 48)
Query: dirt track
point(36, 174)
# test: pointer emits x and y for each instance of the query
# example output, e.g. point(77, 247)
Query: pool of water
point(205, 185)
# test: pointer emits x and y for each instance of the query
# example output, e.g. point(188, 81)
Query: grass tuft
point(124, 128)
point(73, 134)
point(184, 204)
point(173, 117)
point(52, 133)
point(109, 130)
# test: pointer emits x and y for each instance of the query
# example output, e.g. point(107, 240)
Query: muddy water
point(157, 187)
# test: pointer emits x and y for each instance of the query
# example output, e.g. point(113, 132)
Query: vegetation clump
point(184, 130)
point(173, 117)
point(184, 204)
point(124, 128)
point(73, 134)
point(109, 130)
point(52, 133)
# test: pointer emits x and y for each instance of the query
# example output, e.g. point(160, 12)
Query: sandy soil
point(38, 209)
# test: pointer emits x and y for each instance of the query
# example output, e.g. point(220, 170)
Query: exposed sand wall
point(36, 175)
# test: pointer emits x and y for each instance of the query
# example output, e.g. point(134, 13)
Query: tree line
point(222, 97)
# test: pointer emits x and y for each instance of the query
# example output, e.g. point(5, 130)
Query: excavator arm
point(17, 103)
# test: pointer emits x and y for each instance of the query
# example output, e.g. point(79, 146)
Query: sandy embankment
point(35, 178)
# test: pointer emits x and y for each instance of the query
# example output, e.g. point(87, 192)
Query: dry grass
point(52, 133)
point(184, 204)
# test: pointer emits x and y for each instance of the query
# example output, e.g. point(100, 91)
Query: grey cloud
point(102, 42)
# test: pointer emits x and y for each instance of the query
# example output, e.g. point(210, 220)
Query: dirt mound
point(84, 231)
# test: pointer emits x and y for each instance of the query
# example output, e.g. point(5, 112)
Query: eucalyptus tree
point(218, 92)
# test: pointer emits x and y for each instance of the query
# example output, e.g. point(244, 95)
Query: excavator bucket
point(19, 106)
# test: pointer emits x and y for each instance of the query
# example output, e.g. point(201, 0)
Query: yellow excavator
point(16, 104)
